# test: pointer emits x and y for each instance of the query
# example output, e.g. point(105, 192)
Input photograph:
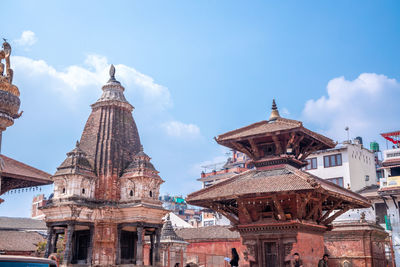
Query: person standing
point(235, 258)
point(324, 261)
point(296, 262)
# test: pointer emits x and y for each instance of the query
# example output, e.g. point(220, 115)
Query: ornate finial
point(274, 112)
point(274, 105)
point(112, 74)
point(4, 39)
point(168, 217)
point(112, 71)
point(77, 144)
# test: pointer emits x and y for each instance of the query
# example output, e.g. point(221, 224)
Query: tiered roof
point(19, 175)
point(280, 179)
point(278, 149)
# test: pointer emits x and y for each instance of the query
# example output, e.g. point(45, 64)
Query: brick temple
point(278, 208)
point(105, 201)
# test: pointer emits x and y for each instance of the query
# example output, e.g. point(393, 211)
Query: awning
point(393, 137)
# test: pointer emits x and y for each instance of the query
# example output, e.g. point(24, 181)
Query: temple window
point(83, 191)
point(63, 191)
point(151, 194)
point(131, 193)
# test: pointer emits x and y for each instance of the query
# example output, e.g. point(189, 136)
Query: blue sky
point(195, 69)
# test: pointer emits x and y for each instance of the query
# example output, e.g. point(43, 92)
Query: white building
point(348, 164)
point(353, 166)
point(390, 192)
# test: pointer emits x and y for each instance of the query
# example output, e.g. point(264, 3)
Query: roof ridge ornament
point(274, 113)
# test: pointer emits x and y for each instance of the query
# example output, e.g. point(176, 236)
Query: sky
point(194, 70)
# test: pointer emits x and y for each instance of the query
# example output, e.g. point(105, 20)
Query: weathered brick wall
point(205, 249)
point(310, 246)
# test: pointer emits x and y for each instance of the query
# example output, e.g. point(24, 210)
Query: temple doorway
point(80, 246)
point(271, 254)
point(128, 247)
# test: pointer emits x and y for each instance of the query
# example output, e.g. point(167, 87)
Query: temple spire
point(274, 112)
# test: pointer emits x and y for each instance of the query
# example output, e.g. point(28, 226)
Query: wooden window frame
point(329, 157)
point(336, 179)
point(310, 164)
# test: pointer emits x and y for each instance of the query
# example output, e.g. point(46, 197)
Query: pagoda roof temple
point(278, 208)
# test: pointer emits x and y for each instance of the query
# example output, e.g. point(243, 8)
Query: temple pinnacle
point(112, 71)
point(274, 112)
point(112, 74)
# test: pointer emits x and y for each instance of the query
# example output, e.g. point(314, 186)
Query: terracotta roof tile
point(19, 241)
point(22, 224)
point(265, 127)
point(280, 179)
point(19, 170)
point(207, 233)
point(260, 128)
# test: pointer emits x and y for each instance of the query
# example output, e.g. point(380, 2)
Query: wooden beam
point(296, 146)
point(334, 216)
point(254, 148)
point(298, 203)
point(291, 140)
point(323, 217)
point(241, 148)
point(245, 213)
point(303, 204)
point(278, 145)
point(278, 206)
point(306, 151)
point(228, 215)
point(316, 207)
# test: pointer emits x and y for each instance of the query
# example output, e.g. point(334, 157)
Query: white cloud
point(27, 39)
point(285, 112)
point(74, 80)
point(367, 104)
point(181, 130)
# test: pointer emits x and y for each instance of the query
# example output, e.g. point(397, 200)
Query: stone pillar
point(90, 248)
point(151, 252)
point(68, 244)
point(157, 248)
point(139, 246)
point(118, 252)
point(49, 245)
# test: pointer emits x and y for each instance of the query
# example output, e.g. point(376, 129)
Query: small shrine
point(173, 247)
point(105, 201)
point(278, 208)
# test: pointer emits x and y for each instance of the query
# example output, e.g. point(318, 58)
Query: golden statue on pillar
point(5, 54)
point(9, 93)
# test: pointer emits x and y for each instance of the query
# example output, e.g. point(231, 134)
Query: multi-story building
point(37, 202)
point(234, 165)
point(390, 189)
point(349, 165)
point(178, 206)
